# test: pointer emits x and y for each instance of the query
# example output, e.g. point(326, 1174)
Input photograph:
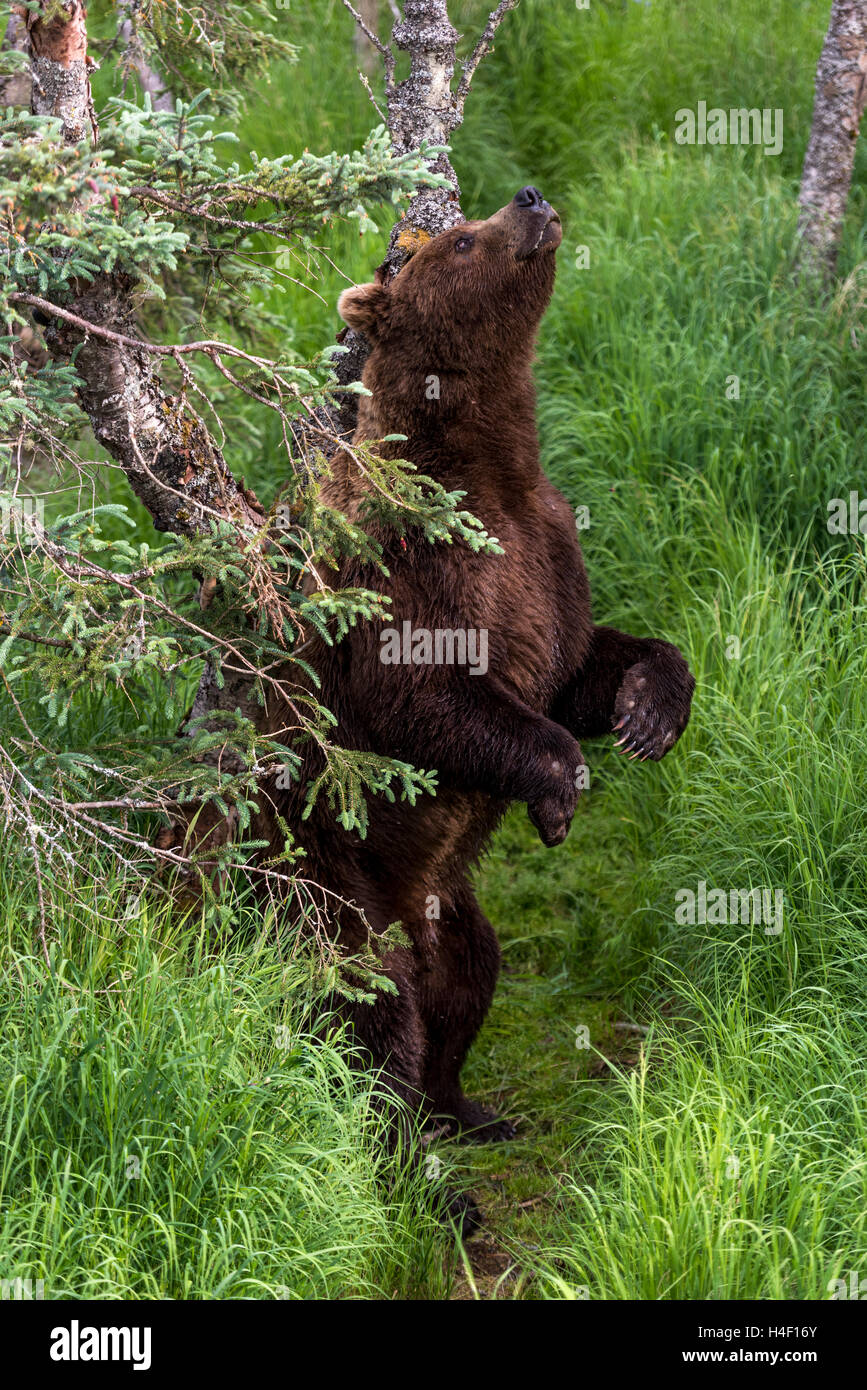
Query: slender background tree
point(841, 92)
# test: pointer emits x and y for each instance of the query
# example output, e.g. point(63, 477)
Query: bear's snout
point(531, 222)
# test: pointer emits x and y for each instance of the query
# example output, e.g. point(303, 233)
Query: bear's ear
point(364, 308)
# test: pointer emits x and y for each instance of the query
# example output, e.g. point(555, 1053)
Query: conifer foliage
point(138, 250)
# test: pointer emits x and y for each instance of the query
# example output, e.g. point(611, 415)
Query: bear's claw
point(652, 706)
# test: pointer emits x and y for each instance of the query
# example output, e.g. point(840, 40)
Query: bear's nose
point(529, 197)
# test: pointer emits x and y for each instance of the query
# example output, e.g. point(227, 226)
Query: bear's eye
point(463, 243)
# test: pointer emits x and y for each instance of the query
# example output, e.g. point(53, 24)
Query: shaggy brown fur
point(466, 310)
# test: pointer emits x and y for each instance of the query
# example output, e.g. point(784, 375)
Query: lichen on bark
point(58, 62)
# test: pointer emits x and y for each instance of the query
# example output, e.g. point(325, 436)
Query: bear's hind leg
point(392, 1034)
point(458, 975)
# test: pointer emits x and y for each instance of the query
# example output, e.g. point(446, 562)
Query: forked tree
point(113, 220)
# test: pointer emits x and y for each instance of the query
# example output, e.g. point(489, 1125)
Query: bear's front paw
point(552, 809)
point(651, 709)
point(551, 819)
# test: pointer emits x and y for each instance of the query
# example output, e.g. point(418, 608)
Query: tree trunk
point(841, 90)
point(151, 82)
point(15, 89)
point(424, 107)
point(58, 63)
point(170, 460)
point(172, 463)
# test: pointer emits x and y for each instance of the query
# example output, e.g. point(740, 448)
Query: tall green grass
point(728, 1159)
point(719, 1153)
point(173, 1129)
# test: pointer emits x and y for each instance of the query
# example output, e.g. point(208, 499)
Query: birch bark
point(841, 91)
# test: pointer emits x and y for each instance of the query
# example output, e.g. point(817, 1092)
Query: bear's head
point(468, 303)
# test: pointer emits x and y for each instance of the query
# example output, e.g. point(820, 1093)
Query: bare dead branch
point(205, 345)
point(383, 49)
point(374, 103)
point(63, 643)
point(495, 19)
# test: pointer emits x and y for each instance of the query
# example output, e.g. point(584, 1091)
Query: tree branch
point(374, 39)
point(495, 19)
point(207, 345)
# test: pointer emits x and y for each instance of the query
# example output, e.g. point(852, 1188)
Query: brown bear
point(505, 670)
